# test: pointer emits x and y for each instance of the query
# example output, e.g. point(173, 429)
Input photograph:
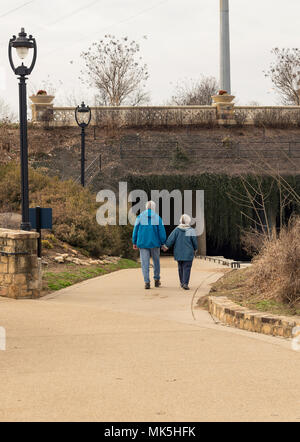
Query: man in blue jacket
point(149, 235)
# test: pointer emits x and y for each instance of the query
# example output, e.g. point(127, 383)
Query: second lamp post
point(83, 117)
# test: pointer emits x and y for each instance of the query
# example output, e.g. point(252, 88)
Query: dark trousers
point(184, 270)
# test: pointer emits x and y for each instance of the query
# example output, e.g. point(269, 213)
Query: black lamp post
point(23, 45)
point(83, 116)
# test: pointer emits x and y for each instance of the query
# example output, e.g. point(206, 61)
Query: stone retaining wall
point(236, 316)
point(20, 268)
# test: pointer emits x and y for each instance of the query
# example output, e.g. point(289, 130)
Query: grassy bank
point(68, 274)
point(234, 285)
point(74, 212)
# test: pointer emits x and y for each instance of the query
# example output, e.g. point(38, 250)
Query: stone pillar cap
point(17, 234)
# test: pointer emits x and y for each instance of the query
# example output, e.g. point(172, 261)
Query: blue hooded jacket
point(149, 231)
point(185, 243)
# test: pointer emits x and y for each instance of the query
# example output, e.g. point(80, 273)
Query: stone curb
point(240, 317)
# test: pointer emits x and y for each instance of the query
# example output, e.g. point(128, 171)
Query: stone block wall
point(20, 268)
point(234, 315)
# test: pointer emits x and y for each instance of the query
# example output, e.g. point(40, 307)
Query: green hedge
point(224, 220)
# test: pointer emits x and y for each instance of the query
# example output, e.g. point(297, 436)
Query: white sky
point(182, 41)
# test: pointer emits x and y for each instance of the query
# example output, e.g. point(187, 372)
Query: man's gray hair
point(151, 205)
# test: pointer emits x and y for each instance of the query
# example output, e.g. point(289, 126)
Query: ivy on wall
point(223, 215)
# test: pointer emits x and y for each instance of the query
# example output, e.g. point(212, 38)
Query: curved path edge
point(240, 317)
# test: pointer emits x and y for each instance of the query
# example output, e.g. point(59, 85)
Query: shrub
point(74, 211)
point(47, 244)
point(228, 142)
point(273, 118)
point(180, 158)
point(252, 241)
point(240, 117)
point(275, 273)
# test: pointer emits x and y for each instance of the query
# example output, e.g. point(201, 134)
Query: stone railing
point(176, 116)
point(267, 115)
point(146, 116)
point(20, 268)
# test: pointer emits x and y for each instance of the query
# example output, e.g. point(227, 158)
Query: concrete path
point(108, 350)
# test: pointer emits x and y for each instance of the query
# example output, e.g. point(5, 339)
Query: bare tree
point(195, 92)
point(256, 197)
point(115, 68)
point(284, 73)
point(49, 85)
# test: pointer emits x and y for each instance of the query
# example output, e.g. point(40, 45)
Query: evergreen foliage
point(224, 220)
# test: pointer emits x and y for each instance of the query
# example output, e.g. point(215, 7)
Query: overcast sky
point(182, 41)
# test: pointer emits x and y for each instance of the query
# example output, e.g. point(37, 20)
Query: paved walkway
point(108, 350)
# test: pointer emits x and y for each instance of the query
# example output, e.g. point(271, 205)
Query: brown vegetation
point(272, 283)
point(195, 92)
point(74, 212)
point(275, 273)
point(277, 118)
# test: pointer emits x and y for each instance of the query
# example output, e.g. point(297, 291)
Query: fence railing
point(177, 116)
point(91, 170)
point(267, 115)
point(147, 116)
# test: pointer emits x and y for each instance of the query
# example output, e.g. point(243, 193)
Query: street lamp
point(83, 117)
point(23, 45)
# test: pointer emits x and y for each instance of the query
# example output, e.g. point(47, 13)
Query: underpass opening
point(225, 220)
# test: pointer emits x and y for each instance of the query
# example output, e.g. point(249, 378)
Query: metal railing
point(226, 262)
point(92, 170)
point(216, 150)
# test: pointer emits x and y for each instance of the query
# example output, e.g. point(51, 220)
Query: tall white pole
point(225, 81)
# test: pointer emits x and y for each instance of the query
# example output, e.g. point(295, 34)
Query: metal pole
point(82, 156)
point(25, 224)
point(38, 229)
point(225, 80)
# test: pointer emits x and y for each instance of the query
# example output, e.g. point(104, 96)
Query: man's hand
point(135, 247)
point(164, 248)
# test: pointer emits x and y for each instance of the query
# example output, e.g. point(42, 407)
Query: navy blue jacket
point(185, 243)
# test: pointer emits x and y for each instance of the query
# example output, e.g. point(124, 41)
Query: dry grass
point(235, 286)
point(272, 283)
point(275, 273)
point(74, 212)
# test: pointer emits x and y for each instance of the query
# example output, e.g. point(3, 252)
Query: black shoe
point(157, 283)
point(185, 287)
point(147, 285)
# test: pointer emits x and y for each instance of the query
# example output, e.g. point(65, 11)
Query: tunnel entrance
point(207, 243)
point(225, 220)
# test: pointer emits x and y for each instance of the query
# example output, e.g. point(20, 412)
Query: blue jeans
point(145, 261)
point(184, 270)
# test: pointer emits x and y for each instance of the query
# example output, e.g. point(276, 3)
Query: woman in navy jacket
point(184, 240)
